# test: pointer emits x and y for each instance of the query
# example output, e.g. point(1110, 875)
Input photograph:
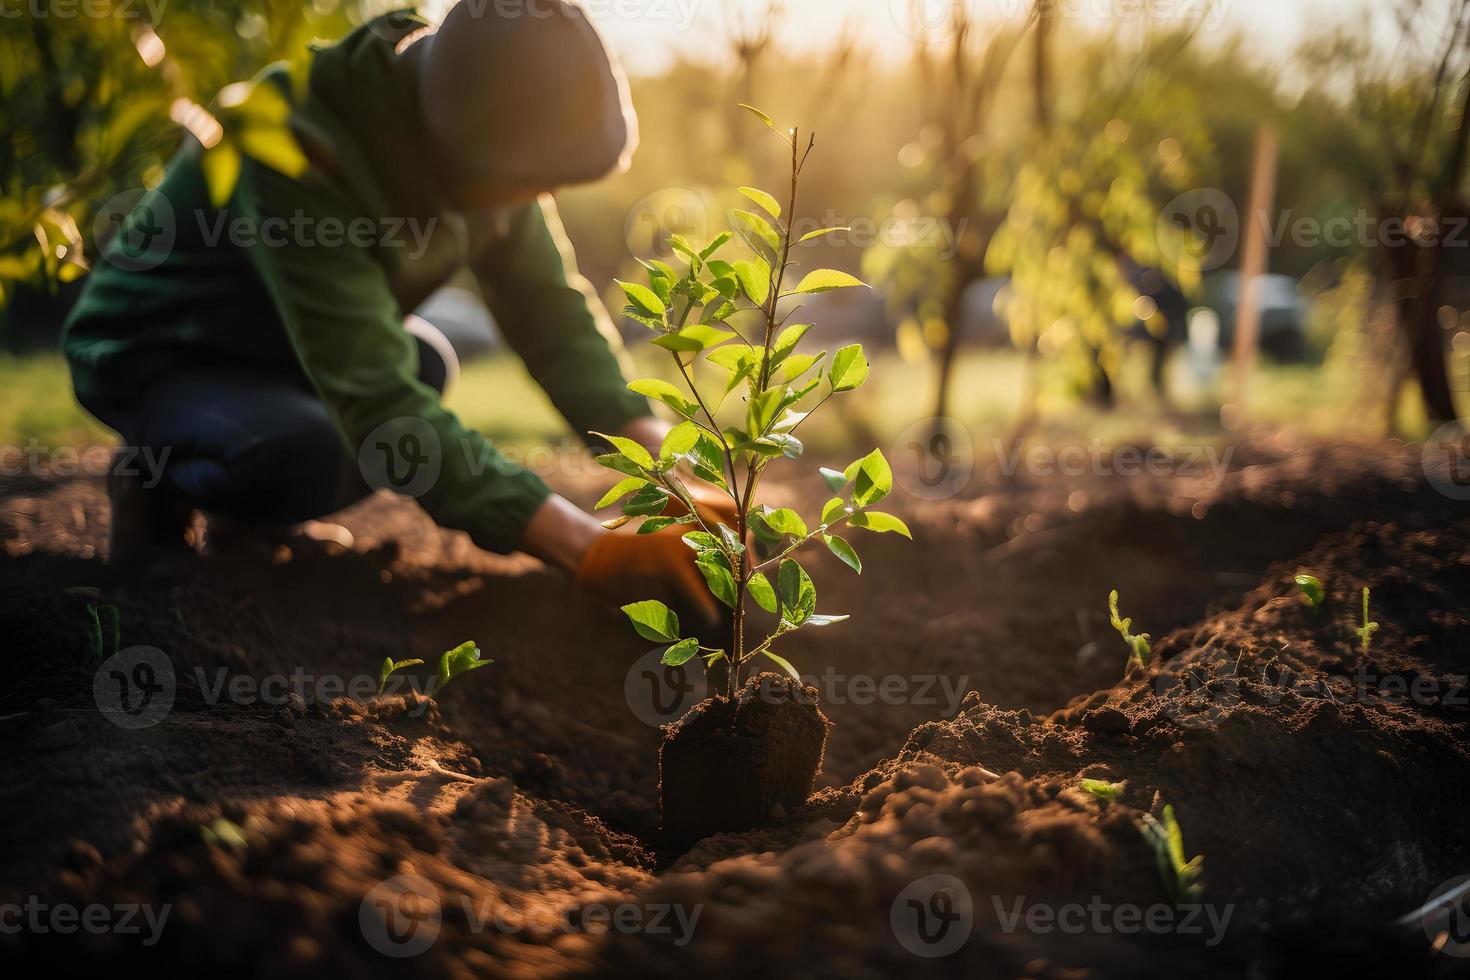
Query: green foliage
point(1311, 589)
point(92, 105)
point(1139, 650)
point(723, 319)
point(1101, 788)
point(461, 660)
point(1185, 880)
point(389, 666)
point(1366, 631)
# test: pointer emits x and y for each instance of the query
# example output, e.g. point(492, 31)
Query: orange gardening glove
point(626, 567)
point(715, 506)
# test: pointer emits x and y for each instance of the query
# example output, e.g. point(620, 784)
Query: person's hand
point(626, 567)
point(714, 505)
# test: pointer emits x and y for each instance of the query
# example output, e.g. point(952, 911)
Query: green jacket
point(304, 293)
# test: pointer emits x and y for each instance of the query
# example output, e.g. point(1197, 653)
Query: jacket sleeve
point(334, 299)
point(552, 318)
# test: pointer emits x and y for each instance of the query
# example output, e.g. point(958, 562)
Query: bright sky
point(647, 33)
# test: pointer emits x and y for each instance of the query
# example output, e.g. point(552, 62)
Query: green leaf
point(652, 524)
point(686, 248)
point(653, 620)
point(642, 298)
point(715, 568)
point(844, 551)
point(693, 338)
point(784, 520)
point(1101, 788)
point(753, 228)
point(819, 619)
point(795, 590)
point(849, 368)
point(658, 269)
point(784, 664)
point(647, 502)
point(755, 278)
point(763, 199)
point(680, 653)
point(221, 165)
point(715, 245)
point(820, 232)
point(621, 463)
point(874, 520)
point(629, 448)
point(702, 541)
point(707, 459)
point(759, 115)
point(798, 364)
point(616, 522)
point(833, 510)
point(761, 591)
point(787, 340)
point(665, 392)
point(822, 280)
point(731, 540)
point(835, 479)
point(620, 489)
point(872, 479)
point(680, 440)
point(1311, 587)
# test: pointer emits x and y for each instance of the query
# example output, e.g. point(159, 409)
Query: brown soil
point(733, 763)
point(1326, 802)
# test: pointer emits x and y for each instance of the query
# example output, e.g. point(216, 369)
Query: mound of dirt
point(731, 764)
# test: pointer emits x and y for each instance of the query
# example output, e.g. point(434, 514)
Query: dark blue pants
point(253, 446)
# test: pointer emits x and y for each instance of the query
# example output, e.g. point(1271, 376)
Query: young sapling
point(1185, 880)
point(727, 316)
point(1366, 631)
point(1139, 650)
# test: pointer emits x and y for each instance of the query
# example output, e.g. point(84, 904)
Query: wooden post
point(1255, 225)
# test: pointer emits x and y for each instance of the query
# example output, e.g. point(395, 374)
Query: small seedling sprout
point(389, 666)
point(727, 315)
point(1366, 631)
point(1139, 650)
point(1311, 588)
point(461, 660)
point(1101, 788)
point(97, 632)
point(1185, 880)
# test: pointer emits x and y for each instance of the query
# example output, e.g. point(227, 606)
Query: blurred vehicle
point(1283, 313)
